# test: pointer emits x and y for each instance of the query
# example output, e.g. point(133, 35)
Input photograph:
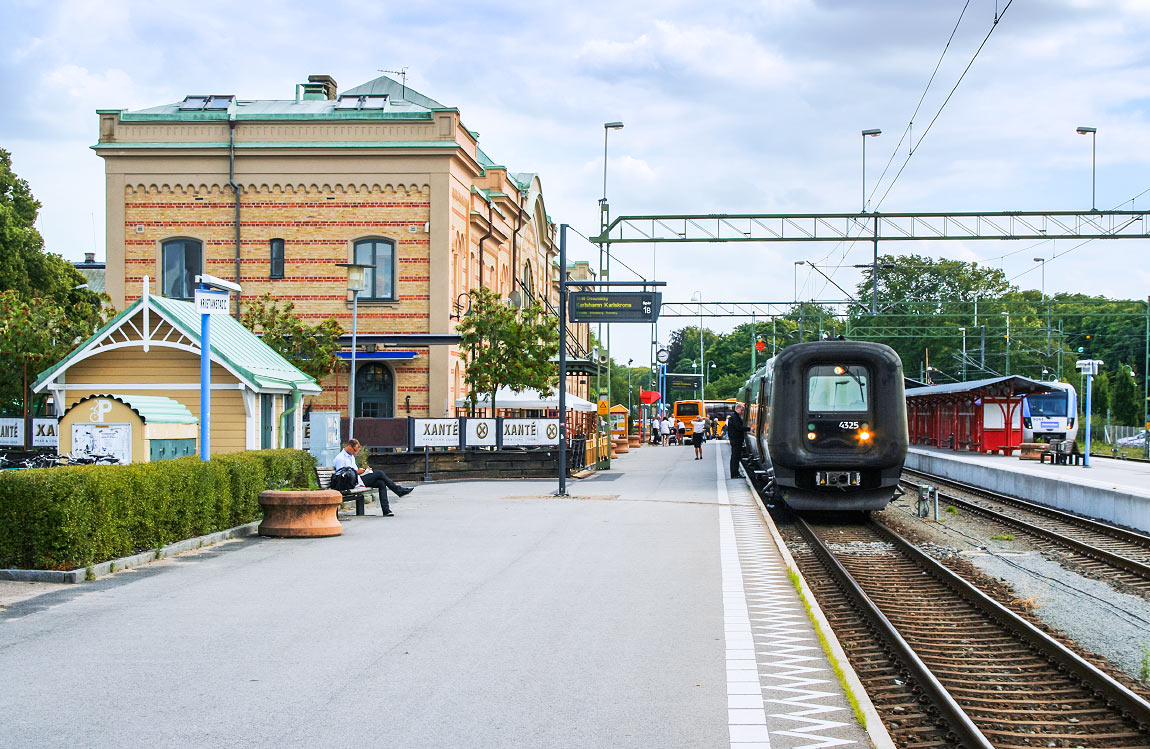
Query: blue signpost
point(209, 302)
point(1088, 367)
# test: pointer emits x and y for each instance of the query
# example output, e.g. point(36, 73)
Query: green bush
point(75, 516)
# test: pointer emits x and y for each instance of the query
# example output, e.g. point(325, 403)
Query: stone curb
point(874, 725)
point(80, 574)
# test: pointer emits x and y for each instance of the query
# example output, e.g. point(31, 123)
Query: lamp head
point(612, 125)
point(1040, 260)
point(356, 275)
point(872, 133)
point(1086, 130)
point(217, 283)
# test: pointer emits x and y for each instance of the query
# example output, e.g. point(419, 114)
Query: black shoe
point(403, 491)
point(389, 514)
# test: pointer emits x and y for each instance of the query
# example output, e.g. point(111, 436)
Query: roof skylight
point(215, 102)
point(374, 101)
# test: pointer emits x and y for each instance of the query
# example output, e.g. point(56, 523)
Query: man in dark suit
point(736, 433)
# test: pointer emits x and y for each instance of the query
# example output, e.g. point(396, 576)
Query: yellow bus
point(686, 412)
point(720, 410)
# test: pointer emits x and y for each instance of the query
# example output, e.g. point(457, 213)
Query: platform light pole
point(357, 282)
point(1007, 315)
point(963, 330)
point(1043, 261)
point(699, 294)
point(1093, 133)
point(797, 264)
point(604, 271)
point(707, 376)
point(873, 133)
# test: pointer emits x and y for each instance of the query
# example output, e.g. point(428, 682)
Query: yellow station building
point(273, 194)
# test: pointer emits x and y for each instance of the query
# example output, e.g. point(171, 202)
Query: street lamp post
point(1093, 133)
point(629, 363)
point(797, 264)
point(699, 294)
point(1043, 261)
point(1007, 315)
point(356, 282)
point(874, 133)
point(963, 353)
point(604, 270)
point(707, 376)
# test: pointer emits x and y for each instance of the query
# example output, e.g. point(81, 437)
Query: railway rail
point(946, 664)
point(1108, 552)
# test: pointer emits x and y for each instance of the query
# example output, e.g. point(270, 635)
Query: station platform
point(1116, 491)
point(651, 608)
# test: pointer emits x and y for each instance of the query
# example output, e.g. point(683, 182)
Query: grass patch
point(951, 509)
point(826, 646)
point(1002, 537)
point(1144, 668)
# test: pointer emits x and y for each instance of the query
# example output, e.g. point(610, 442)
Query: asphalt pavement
point(484, 614)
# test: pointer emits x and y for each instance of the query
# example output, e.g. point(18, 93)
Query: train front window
point(835, 388)
point(1048, 404)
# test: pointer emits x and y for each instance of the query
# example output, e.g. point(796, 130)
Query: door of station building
point(267, 405)
point(373, 392)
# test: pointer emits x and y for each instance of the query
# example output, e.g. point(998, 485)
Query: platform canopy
point(506, 398)
point(1000, 387)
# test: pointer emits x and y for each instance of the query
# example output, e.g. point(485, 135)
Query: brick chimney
point(326, 82)
point(89, 257)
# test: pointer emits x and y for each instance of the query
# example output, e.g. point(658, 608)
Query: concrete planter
point(634, 440)
point(302, 514)
point(621, 445)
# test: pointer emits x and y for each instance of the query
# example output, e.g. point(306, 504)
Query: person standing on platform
point(736, 433)
point(656, 425)
point(665, 431)
point(699, 430)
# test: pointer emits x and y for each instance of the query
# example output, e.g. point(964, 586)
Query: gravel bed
point(1114, 625)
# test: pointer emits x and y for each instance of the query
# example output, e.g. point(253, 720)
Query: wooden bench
point(323, 478)
point(1032, 450)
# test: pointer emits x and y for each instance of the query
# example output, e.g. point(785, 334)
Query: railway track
point(945, 664)
point(1106, 552)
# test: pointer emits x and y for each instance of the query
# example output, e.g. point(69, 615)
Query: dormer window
point(372, 101)
point(215, 102)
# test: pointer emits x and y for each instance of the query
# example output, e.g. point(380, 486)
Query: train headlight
point(811, 435)
point(840, 369)
point(864, 436)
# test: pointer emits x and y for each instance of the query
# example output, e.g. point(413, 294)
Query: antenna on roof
point(402, 73)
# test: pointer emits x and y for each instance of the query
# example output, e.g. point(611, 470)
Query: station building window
point(180, 262)
point(276, 264)
point(381, 279)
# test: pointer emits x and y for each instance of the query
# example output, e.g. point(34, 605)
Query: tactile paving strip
point(803, 700)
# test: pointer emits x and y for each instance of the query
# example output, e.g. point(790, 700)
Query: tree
point(43, 312)
point(24, 266)
point(35, 334)
point(313, 349)
point(506, 347)
point(1125, 397)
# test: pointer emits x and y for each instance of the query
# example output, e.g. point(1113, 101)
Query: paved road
point(485, 614)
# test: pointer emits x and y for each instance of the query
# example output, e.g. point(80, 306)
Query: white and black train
point(826, 425)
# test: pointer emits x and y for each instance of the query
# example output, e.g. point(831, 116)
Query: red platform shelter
point(979, 416)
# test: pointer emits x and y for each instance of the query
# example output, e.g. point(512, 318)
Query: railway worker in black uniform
point(736, 432)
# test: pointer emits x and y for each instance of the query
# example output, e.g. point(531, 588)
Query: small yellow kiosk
point(130, 428)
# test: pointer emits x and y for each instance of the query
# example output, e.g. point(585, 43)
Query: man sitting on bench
point(375, 479)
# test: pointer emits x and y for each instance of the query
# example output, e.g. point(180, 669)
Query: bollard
point(426, 463)
point(935, 491)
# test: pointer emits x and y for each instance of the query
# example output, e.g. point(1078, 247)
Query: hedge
point(74, 516)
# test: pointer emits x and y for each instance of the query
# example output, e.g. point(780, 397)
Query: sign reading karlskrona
point(614, 306)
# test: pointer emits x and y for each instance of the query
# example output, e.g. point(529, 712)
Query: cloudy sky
point(728, 107)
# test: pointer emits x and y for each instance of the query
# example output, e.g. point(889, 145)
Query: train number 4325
point(848, 425)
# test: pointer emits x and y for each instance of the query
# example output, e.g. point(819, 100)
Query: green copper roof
point(233, 345)
point(153, 409)
point(394, 90)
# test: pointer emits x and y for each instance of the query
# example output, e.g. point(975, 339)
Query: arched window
point(528, 283)
point(373, 392)
point(180, 262)
point(381, 279)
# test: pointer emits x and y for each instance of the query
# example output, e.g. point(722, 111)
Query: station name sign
point(211, 302)
point(614, 306)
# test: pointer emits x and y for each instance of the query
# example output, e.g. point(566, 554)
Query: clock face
point(663, 356)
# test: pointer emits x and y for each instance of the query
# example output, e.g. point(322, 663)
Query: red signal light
point(760, 346)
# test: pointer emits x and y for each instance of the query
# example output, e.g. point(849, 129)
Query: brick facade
point(320, 180)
